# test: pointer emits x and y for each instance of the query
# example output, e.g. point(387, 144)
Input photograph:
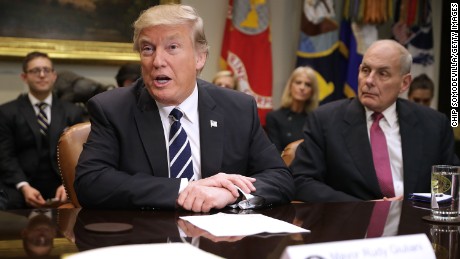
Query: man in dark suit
point(28, 163)
point(335, 162)
point(125, 162)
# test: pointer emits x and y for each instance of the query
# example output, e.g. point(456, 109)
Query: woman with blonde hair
point(226, 78)
point(300, 96)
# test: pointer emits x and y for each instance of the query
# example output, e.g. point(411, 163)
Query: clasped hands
point(214, 192)
point(34, 198)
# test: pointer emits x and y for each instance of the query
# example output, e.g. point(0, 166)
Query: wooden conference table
point(327, 222)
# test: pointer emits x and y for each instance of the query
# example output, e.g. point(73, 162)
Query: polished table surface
point(327, 222)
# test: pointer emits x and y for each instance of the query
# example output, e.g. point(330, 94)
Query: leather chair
point(69, 148)
point(288, 153)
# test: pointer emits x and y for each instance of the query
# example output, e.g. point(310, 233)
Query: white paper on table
point(222, 224)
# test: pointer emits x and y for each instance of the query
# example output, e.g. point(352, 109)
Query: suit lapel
point(211, 133)
point(151, 133)
point(411, 145)
point(26, 109)
point(358, 146)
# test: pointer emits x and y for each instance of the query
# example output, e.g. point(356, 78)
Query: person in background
point(226, 78)
point(172, 140)
point(30, 127)
point(421, 90)
point(300, 97)
point(376, 146)
point(127, 74)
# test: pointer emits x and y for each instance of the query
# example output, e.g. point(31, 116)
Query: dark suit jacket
point(334, 163)
point(124, 163)
point(20, 139)
point(284, 127)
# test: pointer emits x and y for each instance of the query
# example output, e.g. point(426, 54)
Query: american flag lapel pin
point(213, 123)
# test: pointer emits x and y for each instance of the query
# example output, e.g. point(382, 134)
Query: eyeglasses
point(38, 70)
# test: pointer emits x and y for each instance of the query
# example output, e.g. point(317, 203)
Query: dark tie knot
point(42, 105)
point(176, 114)
point(377, 116)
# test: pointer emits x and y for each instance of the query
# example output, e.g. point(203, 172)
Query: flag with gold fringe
point(246, 50)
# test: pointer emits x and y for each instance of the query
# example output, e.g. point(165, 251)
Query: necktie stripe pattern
point(381, 157)
point(42, 119)
point(180, 153)
point(183, 152)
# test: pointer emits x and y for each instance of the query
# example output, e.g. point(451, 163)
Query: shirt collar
point(189, 107)
point(389, 114)
point(48, 100)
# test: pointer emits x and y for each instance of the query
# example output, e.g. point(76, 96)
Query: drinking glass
point(445, 180)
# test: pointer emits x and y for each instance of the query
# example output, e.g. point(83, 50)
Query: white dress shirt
point(48, 100)
point(390, 127)
point(190, 123)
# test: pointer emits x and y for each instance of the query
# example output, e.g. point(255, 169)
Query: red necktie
point(378, 218)
point(381, 157)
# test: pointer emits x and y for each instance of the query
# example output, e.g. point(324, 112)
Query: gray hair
point(405, 60)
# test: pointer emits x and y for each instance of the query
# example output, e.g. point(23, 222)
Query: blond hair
point(172, 14)
point(226, 73)
point(310, 104)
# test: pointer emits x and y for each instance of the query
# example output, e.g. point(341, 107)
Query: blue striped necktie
point(42, 118)
point(180, 154)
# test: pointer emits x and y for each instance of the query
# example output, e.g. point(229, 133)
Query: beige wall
point(285, 18)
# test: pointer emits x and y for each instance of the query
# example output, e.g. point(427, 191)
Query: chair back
point(69, 148)
point(288, 153)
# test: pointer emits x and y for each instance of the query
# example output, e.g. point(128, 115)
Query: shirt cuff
point(183, 184)
point(21, 184)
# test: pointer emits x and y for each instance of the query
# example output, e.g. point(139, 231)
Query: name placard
point(397, 247)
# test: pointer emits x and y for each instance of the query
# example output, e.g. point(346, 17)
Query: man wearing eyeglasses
point(30, 127)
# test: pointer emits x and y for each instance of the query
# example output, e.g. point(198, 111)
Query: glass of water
point(445, 180)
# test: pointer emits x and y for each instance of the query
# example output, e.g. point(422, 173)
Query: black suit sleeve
point(274, 180)
point(10, 169)
point(124, 162)
point(112, 171)
point(273, 131)
point(310, 167)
